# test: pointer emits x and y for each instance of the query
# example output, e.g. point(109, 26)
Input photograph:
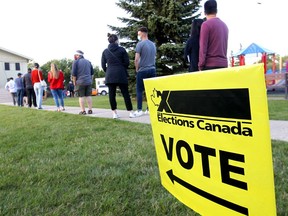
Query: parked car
point(103, 90)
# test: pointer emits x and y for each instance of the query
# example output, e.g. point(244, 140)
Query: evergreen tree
point(169, 25)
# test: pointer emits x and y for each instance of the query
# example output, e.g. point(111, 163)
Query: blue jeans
point(20, 94)
point(58, 95)
point(39, 94)
point(141, 75)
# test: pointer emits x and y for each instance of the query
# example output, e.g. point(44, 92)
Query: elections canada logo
point(217, 110)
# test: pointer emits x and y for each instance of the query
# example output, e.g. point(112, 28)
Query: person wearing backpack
point(115, 61)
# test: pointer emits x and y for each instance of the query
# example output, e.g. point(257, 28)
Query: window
point(7, 66)
point(17, 66)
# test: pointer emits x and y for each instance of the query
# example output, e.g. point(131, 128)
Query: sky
point(54, 29)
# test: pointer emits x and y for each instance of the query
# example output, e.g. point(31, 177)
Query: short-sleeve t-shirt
point(147, 51)
point(82, 70)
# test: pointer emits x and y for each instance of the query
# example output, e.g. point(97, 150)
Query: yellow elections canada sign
point(212, 138)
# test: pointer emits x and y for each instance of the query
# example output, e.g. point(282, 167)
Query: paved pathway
point(6, 99)
point(279, 129)
point(102, 113)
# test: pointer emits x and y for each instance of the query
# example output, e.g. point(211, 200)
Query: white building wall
point(12, 59)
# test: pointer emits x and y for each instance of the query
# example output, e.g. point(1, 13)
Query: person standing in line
point(191, 51)
point(36, 77)
point(56, 80)
point(20, 89)
point(115, 61)
point(25, 99)
point(64, 91)
point(11, 87)
point(82, 75)
point(144, 64)
point(71, 89)
point(213, 39)
point(27, 81)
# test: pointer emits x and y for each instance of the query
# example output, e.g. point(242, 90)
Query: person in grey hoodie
point(28, 86)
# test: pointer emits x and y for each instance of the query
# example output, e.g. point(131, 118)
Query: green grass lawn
point(278, 109)
point(61, 164)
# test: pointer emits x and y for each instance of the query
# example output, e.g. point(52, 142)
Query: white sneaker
point(138, 113)
point(147, 112)
point(115, 116)
point(132, 115)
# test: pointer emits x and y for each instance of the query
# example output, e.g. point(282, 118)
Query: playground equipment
point(251, 49)
point(274, 80)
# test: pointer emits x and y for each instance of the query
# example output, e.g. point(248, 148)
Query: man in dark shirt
point(27, 82)
point(213, 40)
point(82, 74)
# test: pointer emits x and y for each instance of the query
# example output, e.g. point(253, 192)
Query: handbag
point(42, 82)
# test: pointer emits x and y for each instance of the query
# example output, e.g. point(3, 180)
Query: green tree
point(169, 25)
point(64, 64)
point(97, 74)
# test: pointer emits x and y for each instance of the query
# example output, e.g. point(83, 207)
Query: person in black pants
point(27, 82)
point(71, 89)
point(191, 51)
point(115, 62)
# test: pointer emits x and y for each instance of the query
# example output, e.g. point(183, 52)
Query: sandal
point(90, 112)
point(82, 113)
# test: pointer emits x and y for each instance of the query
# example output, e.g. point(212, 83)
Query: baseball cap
point(79, 52)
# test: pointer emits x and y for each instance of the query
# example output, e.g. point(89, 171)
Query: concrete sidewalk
point(278, 129)
point(100, 113)
point(6, 99)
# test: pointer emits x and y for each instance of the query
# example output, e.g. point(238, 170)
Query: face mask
point(139, 37)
